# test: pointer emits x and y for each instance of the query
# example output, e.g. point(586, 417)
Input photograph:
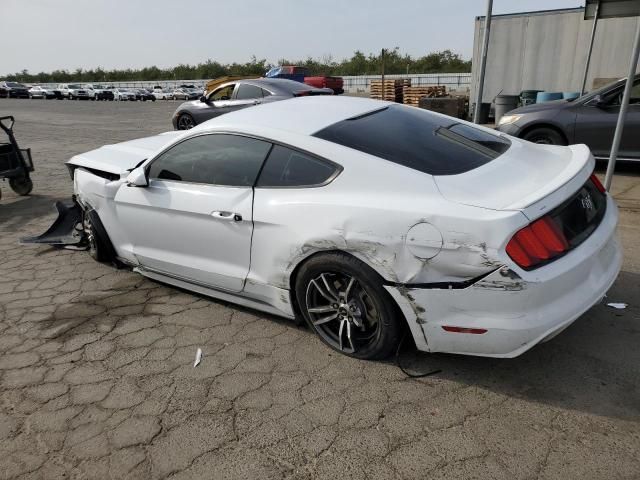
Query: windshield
point(589, 95)
point(15, 85)
point(75, 86)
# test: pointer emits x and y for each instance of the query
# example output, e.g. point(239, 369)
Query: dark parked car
point(235, 95)
point(13, 90)
point(590, 119)
point(144, 95)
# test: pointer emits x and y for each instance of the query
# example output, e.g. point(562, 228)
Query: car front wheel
point(186, 122)
point(98, 249)
point(546, 136)
point(343, 301)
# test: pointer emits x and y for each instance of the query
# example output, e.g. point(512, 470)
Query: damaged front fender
point(66, 231)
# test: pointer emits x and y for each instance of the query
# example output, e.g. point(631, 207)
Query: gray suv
point(590, 119)
point(232, 96)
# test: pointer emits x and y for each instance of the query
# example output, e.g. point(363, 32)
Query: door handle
point(236, 217)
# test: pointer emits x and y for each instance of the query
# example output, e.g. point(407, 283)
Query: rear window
point(418, 139)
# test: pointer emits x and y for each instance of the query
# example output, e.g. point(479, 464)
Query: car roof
point(278, 83)
point(305, 115)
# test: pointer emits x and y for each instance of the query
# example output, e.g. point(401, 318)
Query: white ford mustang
point(364, 217)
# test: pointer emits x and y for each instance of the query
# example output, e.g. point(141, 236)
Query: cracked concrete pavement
point(96, 375)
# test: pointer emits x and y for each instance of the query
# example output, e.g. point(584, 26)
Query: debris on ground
point(198, 358)
point(618, 306)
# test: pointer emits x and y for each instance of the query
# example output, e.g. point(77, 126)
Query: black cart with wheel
point(16, 163)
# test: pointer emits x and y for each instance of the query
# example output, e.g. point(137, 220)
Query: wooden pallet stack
point(412, 95)
point(391, 90)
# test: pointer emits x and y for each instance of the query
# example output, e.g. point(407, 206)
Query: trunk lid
point(527, 177)
point(121, 157)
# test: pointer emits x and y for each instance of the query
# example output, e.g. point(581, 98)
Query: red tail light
point(537, 243)
point(598, 184)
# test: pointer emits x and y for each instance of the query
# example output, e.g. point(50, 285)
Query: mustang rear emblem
point(586, 201)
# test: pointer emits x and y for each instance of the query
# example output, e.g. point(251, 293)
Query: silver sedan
point(235, 95)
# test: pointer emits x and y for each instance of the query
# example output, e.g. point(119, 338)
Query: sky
point(44, 35)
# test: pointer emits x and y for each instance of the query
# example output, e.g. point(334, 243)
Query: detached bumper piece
point(66, 231)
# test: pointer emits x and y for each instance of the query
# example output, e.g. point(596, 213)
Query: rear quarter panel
point(368, 211)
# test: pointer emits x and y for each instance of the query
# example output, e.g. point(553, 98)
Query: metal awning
point(611, 9)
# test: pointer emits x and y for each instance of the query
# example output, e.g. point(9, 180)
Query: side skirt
point(214, 293)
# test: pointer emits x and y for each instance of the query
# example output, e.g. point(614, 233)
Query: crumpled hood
point(119, 158)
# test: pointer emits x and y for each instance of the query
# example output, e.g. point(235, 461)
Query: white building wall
point(548, 50)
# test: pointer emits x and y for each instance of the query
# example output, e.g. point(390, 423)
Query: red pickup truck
point(334, 83)
point(299, 74)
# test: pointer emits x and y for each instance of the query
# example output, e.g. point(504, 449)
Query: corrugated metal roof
point(536, 13)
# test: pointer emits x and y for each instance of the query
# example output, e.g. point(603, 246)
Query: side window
point(248, 92)
point(290, 168)
point(228, 160)
point(223, 93)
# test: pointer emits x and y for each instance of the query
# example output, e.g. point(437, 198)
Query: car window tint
point(417, 139)
point(223, 93)
point(247, 92)
point(289, 168)
point(229, 160)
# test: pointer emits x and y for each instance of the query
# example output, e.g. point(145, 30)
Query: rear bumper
point(518, 309)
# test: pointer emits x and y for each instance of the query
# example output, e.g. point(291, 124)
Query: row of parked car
point(77, 91)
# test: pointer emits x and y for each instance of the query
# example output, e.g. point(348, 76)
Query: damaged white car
point(364, 217)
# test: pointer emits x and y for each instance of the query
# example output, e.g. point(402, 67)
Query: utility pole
point(483, 64)
point(382, 66)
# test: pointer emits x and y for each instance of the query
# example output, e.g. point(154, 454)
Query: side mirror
point(137, 178)
point(599, 101)
point(203, 99)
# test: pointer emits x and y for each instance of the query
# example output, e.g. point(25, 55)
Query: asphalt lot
point(96, 376)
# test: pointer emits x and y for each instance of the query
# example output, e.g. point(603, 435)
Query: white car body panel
point(217, 253)
point(521, 311)
point(419, 232)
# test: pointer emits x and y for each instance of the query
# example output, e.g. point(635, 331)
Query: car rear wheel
point(343, 301)
point(186, 122)
point(546, 136)
point(22, 186)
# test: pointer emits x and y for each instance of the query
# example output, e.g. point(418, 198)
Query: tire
point(185, 122)
point(22, 186)
point(354, 313)
point(98, 247)
point(544, 135)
